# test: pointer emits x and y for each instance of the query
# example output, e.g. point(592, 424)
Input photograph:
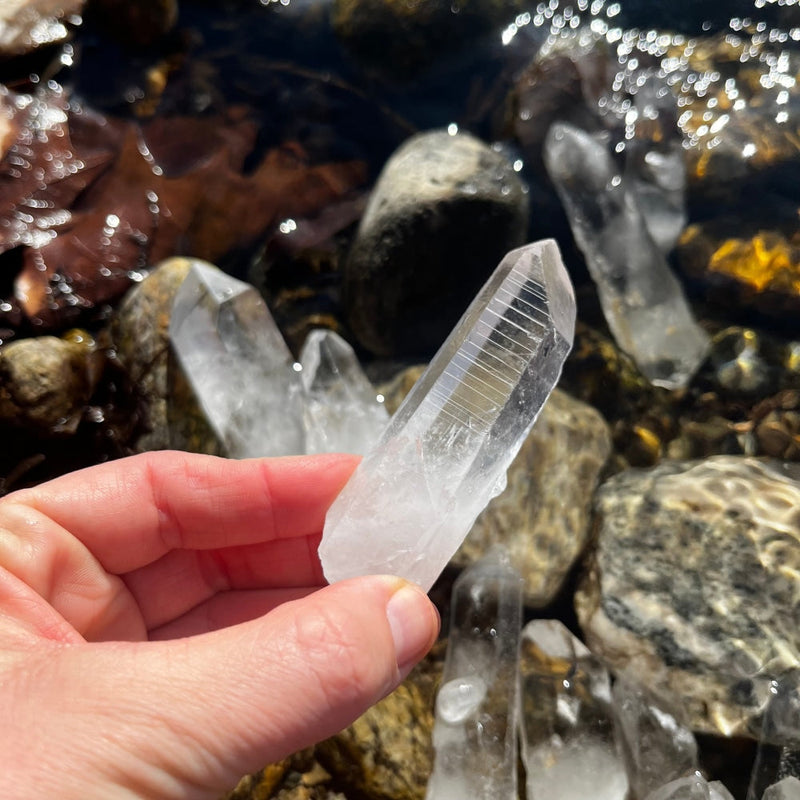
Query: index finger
point(130, 512)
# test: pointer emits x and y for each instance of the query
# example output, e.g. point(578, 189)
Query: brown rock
point(46, 382)
point(542, 517)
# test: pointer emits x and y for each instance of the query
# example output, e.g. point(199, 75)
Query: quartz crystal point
point(414, 497)
point(475, 733)
point(341, 411)
point(568, 744)
point(694, 787)
point(238, 366)
point(656, 743)
point(786, 789)
point(642, 300)
point(779, 746)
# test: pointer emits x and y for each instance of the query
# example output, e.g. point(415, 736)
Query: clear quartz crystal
point(568, 745)
point(341, 411)
point(642, 300)
point(785, 789)
point(238, 366)
point(414, 497)
point(475, 732)
point(694, 787)
point(779, 746)
point(657, 744)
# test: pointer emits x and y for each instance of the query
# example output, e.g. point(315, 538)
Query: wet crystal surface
point(448, 446)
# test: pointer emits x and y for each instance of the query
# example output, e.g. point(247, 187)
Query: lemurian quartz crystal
point(414, 497)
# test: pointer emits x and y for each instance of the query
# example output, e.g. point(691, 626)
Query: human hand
point(162, 629)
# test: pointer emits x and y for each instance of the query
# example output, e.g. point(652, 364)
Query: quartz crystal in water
point(778, 755)
point(642, 300)
point(657, 744)
point(414, 497)
point(694, 787)
point(341, 409)
point(237, 364)
point(475, 733)
point(567, 732)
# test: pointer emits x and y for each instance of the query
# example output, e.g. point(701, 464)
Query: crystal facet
point(642, 300)
point(568, 744)
point(414, 497)
point(656, 743)
point(786, 789)
point(694, 787)
point(238, 365)
point(341, 411)
point(475, 733)
point(779, 747)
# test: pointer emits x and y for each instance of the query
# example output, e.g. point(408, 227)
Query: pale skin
point(165, 627)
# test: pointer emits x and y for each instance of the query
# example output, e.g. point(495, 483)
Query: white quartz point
point(475, 732)
point(691, 788)
point(786, 789)
point(642, 300)
point(568, 745)
point(237, 363)
point(778, 754)
point(657, 744)
point(341, 410)
point(414, 497)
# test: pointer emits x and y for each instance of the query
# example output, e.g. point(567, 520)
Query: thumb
point(194, 715)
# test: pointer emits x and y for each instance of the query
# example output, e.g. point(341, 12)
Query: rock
point(444, 211)
point(386, 754)
point(139, 330)
point(401, 38)
point(543, 515)
point(745, 264)
point(693, 588)
point(26, 25)
point(46, 382)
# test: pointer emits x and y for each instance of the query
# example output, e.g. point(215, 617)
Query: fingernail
point(414, 623)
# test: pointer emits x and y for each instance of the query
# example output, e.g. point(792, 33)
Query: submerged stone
point(475, 733)
point(237, 365)
point(694, 583)
point(444, 211)
point(642, 300)
point(341, 410)
point(448, 446)
point(568, 743)
point(542, 516)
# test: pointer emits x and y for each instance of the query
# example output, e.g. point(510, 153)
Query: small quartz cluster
point(257, 400)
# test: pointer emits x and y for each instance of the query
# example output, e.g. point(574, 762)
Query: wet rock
point(387, 753)
point(140, 331)
point(400, 39)
point(542, 517)
point(26, 25)
point(694, 584)
point(46, 382)
point(444, 212)
point(743, 264)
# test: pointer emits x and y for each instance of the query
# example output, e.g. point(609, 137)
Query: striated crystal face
point(414, 497)
point(642, 300)
point(475, 733)
point(341, 411)
point(237, 364)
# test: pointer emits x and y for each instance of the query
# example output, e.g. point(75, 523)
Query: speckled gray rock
point(45, 382)
point(695, 584)
point(140, 333)
point(444, 212)
point(542, 517)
